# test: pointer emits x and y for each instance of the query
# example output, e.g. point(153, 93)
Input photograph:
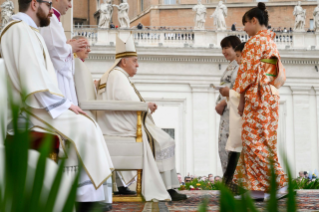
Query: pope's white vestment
point(33, 79)
point(61, 56)
point(159, 174)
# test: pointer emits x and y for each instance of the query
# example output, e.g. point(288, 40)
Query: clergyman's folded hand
point(78, 45)
point(77, 110)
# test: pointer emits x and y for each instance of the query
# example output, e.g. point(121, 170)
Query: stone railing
point(283, 40)
point(191, 38)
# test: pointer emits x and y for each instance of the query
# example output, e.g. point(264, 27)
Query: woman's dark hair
point(260, 13)
point(230, 41)
point(240, 47)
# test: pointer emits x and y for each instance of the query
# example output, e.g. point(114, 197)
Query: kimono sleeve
point(249, 69)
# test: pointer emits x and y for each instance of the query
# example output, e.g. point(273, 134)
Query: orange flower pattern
point(259, 134)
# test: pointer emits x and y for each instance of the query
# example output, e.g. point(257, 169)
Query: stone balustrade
point(193, 38)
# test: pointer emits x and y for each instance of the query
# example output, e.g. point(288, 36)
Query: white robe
point(62, 57)
point(159, 175)
point(30, 69)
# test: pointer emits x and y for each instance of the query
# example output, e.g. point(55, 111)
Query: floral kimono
point(260, 117)
point(228, 79)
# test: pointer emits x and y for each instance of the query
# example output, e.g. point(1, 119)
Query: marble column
point(204, 130)
point(301, 115)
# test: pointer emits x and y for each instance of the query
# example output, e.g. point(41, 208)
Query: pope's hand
point(78, 45)
point(77, 110)
point(152, 106)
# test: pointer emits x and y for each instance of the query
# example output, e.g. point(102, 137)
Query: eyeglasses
point(88, 47)
point(49, 4)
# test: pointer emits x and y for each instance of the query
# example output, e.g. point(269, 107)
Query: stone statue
point(219, 16)
point(106, 14)
point(316, 18)
point(300, 15)
point(7, 8)
point(200, 17)
point(123, 9)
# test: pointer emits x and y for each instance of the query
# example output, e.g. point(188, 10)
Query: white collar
point(233, 63)
point(24, 17)
point(122, 70)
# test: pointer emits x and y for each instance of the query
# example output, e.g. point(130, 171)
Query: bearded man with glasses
point(33, 78)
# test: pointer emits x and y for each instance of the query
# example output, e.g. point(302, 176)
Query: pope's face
point(130, 65)
point(64, 6)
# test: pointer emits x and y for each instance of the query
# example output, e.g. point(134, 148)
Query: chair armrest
point(113, 105)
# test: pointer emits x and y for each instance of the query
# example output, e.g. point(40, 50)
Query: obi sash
point(275, 72)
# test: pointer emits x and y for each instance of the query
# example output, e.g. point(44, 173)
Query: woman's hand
point(221, 107)
point(224, 91)
point(241, 108)
point(241, 105)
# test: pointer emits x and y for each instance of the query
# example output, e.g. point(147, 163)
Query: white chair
point(126, 152)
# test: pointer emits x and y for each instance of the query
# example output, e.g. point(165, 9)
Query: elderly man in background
point(84, 52)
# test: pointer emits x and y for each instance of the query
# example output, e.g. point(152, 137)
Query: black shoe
point(93, 207)
point(104, 206)
point(84, 206)
point(176, 196)
point(125, 191)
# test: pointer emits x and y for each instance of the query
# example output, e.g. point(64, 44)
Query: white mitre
point(123, 49)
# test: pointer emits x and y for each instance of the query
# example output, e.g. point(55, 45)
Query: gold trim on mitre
point(126, 54)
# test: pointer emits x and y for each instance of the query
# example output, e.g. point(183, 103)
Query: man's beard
point(44, 19)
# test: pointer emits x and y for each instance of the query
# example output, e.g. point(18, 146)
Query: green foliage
point(15, 194)
point(203, 207)
point(305, 183)
point(195, 184)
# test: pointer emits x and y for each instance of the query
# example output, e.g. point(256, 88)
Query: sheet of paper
point(217, 87)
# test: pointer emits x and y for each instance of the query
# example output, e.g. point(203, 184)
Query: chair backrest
point(83, 82)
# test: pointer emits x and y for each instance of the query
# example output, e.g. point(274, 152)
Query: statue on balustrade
point(300, 15)
point(159, 173)
point(316, 18)
point(123, 9)
point(219, 16)
point(200, 18)
point(7, 8)
point(106, 14)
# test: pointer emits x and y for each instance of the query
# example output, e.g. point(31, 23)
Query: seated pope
point(159, 174)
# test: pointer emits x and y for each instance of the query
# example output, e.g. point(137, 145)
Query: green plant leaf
point(34, 204)
point(55, 188)
point(69, 205)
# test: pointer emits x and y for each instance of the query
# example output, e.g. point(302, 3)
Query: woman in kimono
point(259, 76)
point(228, 45)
